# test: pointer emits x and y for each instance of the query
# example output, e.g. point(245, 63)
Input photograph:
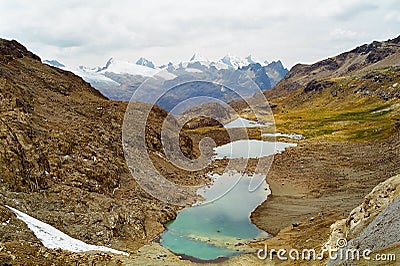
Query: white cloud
point(89, 32)
point(393, 16)
point(342, 35)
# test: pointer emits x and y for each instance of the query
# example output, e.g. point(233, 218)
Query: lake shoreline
point(321, 176)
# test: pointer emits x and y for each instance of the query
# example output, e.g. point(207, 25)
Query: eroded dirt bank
point(320, 176)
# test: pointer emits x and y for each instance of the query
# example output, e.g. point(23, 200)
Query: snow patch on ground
point(90, 75)
point(53, 238)
point(291, 136)
point(243, 123)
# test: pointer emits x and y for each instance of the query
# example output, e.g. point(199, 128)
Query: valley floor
point(313, 184)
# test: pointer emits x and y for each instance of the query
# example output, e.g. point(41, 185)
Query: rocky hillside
point(361, 86)
point(376, 55)
point(61, 157)
point(369, 70)
point(374, 224)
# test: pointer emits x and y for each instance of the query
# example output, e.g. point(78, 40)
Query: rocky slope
point(374, 203)
point(376, 55)
point(374, 224)
point(61, 157)
point(359, 80)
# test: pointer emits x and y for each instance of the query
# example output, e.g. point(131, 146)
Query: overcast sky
point(78, 32)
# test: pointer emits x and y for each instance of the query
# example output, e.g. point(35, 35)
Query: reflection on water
point(250, 149)
point(219, 228)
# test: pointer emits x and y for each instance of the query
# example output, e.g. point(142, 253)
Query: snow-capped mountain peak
point(238, 62)
point(233, 61)
point(144, 62)
point(109, 62)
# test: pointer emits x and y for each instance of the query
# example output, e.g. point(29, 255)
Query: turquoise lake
point(218, 226)
point(216, 229)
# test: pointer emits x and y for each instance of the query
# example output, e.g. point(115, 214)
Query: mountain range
point(118, 79)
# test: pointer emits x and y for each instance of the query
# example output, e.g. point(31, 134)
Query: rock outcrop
point(375, 204)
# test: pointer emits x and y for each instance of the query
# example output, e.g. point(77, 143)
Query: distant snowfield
point(165, 75)
point(119, 67)
point(91, 76)
point(53, 238)
point(124, 67)
point(193, 70)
